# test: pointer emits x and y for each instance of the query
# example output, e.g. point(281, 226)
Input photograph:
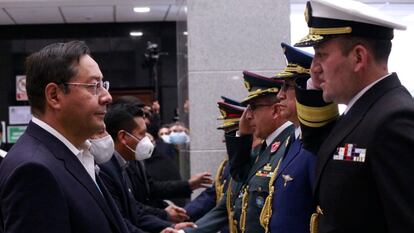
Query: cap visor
point(310, 40)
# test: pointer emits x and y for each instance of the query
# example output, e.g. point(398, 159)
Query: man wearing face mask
point(178, 135)
point(127, 128)
point(102, 147)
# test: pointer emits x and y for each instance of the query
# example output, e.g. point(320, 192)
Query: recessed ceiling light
point(185, 33)
point(142, 9)
point(136, 33)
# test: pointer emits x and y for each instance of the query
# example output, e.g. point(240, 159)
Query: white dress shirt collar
point(275, 133)
point(360, 93)
point(83, 154)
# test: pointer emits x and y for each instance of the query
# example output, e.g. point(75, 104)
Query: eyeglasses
point(95, 87)
point(254, 107)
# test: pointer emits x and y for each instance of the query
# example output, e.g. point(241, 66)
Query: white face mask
point(143, 149)
point(166, 138)
point(102, 149)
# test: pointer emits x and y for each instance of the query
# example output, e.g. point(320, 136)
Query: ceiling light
point(141, 9)
point(136, 33)
point(185, 33)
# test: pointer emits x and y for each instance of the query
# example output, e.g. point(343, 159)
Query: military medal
point(267, 167)
point(349, 152)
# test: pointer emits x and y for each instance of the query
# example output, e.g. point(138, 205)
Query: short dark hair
point(380, 49)
point(121, 118)
point(55, 63)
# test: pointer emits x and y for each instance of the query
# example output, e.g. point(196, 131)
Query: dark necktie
point(263, 147)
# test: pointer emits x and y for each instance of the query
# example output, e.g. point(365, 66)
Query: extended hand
point(176, 214)
point(200, 180)
point(183, 225)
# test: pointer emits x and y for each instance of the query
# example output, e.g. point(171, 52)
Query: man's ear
point(53, 96)
point(360, 56)
point(120, 136)
point(275, 111)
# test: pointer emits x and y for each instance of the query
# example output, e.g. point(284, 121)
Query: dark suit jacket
point(165, 159)
point(136, 217)
point(293, 202)
point(376, 195)
point(146, 189)
point(45, 188)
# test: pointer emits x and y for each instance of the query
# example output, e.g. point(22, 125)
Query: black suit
point(145, 189)
point(375, 194)
point(116, 182)
point(45, 188)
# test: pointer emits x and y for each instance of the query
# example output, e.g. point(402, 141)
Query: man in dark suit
point(362, 175)
point(127, 128)
point(47, 180)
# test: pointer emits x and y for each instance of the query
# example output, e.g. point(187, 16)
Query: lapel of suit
point(349, 121)
point(267, 154)
point(144, 176)
point(293, 150)
point(72, 164)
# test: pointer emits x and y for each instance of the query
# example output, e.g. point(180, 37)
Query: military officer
point(231, 112)
point(262, 119)
point(291, 200)
point(362, 182)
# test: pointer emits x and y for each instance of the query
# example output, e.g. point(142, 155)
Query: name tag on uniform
point(349, 152)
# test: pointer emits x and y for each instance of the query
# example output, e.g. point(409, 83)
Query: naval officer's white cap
point(327, 18)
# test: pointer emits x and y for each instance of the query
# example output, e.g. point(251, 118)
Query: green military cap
point(258, 85)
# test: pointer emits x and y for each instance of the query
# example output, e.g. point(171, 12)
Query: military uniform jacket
point(293, 204)
point(364, 180)
point(256, 186)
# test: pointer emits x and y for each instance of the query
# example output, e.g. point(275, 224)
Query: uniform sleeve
point(213, 221)
point(316, 117)
point(202, 204)
point(392, 163)
point(239, 150)
point(28, 195)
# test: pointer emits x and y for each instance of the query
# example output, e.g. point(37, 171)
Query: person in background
point(179, 134)
point(127, 129)
point(47, 181)
point(362, 182)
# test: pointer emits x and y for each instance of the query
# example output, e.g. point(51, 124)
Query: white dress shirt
point(83, 154)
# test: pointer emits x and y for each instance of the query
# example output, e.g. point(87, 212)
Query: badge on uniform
point(349, 152)
point(286, 178)
point(259, 201)
point(274, 147)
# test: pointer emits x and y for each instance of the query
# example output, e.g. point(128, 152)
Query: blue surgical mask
point(179, 138)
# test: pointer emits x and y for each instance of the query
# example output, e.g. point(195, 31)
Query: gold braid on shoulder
point(267, 207)
point(218, 185)
point(230, 212)
point(243, 214)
